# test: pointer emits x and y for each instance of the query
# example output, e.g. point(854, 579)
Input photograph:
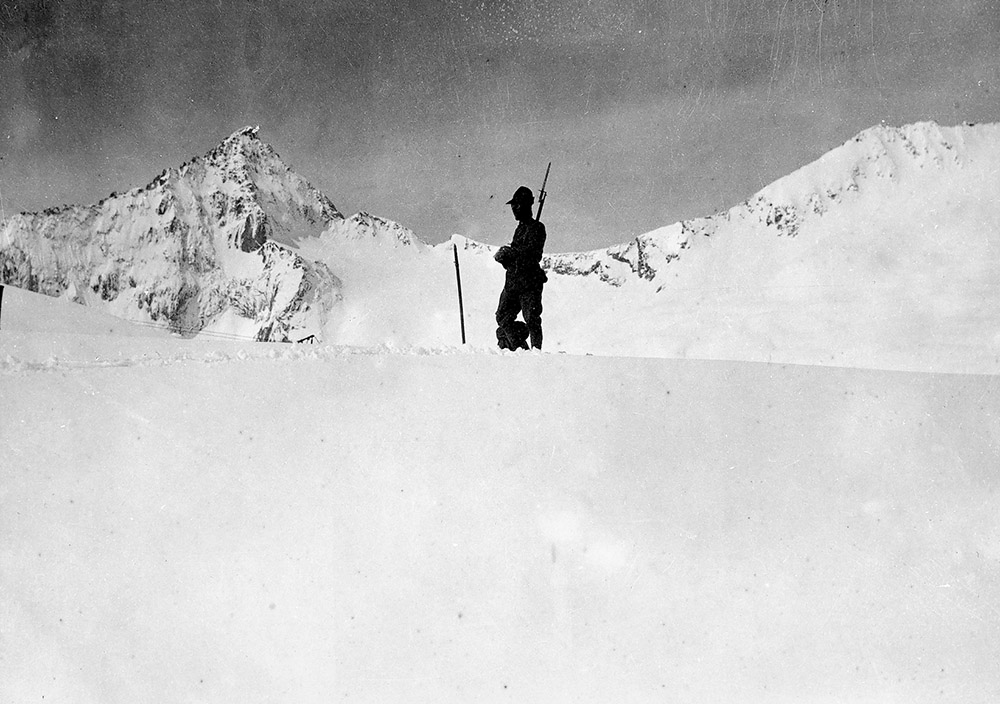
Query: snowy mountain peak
point(255, 196)
point(879, 155)
point(250, 132)
point(188, 250)
point(921, 141)
point(870, 165)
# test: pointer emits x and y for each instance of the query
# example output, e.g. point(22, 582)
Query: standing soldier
point(522, 289)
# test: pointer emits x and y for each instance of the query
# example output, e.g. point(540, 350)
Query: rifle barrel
point(541, 193)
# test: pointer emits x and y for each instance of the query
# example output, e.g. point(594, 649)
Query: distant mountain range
point(880, 253)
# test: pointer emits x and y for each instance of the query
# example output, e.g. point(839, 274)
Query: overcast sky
point(432, 113)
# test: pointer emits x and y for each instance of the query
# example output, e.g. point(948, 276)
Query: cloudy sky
point(432, 113)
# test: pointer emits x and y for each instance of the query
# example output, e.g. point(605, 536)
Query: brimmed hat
point(522, 195)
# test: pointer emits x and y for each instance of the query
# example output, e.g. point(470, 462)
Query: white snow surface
point(218, 521)
point(809, 512)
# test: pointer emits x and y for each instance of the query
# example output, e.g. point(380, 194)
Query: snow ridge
point(885, 154)
point(880, 153)
point(9, 364)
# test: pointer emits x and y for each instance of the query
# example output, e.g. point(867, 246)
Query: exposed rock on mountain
point(207, 246)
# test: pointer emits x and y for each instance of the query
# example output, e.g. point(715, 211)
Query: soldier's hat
point(522, 195)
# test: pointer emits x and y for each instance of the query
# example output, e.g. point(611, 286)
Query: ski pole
point(458, 278)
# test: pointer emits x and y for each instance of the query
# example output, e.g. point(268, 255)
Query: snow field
point(486, 527)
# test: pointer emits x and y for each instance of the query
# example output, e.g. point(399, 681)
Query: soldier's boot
point(535, 332)
point(536, 337)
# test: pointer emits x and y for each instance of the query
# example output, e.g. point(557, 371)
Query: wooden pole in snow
point(458, 278)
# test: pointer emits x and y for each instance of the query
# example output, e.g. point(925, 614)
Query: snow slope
point(261, 523)
point(40, 331)
point(27, 312)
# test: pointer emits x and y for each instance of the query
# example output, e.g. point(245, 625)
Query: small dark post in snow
point(1, 300)
point(458, 277)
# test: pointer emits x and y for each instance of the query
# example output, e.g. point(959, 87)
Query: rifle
point(542, 193)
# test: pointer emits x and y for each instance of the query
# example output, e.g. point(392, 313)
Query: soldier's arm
point(529, 247)
point(536, 242)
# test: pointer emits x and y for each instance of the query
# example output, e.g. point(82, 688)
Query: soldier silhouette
point(524, 280)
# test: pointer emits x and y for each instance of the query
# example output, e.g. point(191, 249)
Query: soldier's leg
point(520, 339)
point(531, 306)
point(507, 310)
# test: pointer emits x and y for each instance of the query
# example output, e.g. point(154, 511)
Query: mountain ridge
point(877, 153)
point(261, 253)
point(199, 246)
